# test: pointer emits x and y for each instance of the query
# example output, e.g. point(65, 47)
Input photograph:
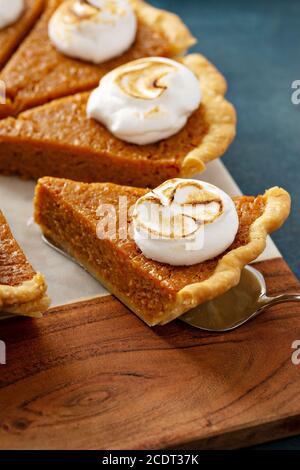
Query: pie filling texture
point(66, 212)
point(22, 290)
point(38, 73)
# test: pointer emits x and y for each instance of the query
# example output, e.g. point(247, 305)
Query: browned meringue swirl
point(198, 196)
point(74, 11)
point(177, 225)
point(143, 79)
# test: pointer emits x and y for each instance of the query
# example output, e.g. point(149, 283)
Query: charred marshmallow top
point(93, 30)
point(184, 222)
point(146, 100)
point(10, 11)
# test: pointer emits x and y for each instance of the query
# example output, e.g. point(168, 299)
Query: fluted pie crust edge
point(220, 114)
point(168, 23)
point(228, 271)
point(28, 298)
point(25, 295)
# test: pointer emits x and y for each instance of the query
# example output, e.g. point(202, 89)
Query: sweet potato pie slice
point(22, 290)
point(67, 214)
point(38, 72)
point(12, 35)
point(58, 139)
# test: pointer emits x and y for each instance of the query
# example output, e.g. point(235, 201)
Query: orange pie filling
point(147, 133)
point(59, 140)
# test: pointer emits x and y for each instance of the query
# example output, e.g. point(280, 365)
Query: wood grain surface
point(93, 376)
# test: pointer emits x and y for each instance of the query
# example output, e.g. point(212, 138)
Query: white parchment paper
point(68, 282)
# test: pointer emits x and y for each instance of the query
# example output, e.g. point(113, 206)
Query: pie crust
point(157, 293)
point(221, 116)
point(38, 73)
point(228, 271)
point(58, 139)
point(22, 290)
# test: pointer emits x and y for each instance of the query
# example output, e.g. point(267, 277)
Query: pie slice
point(22, 290)
point(38, 73)
point(12, 35)
point(157, 293)
point(58, 139)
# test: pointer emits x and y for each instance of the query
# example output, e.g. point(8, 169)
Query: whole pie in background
point(59, 139)
point(39, 73)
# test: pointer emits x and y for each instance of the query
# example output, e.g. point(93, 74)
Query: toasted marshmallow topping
point(146, 100)
point(93, 30)
point(184, 222)
point(10, 11)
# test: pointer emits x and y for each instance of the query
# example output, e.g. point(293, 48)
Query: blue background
point(256, 45)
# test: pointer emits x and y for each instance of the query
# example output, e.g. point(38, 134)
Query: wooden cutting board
point(92, 376)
